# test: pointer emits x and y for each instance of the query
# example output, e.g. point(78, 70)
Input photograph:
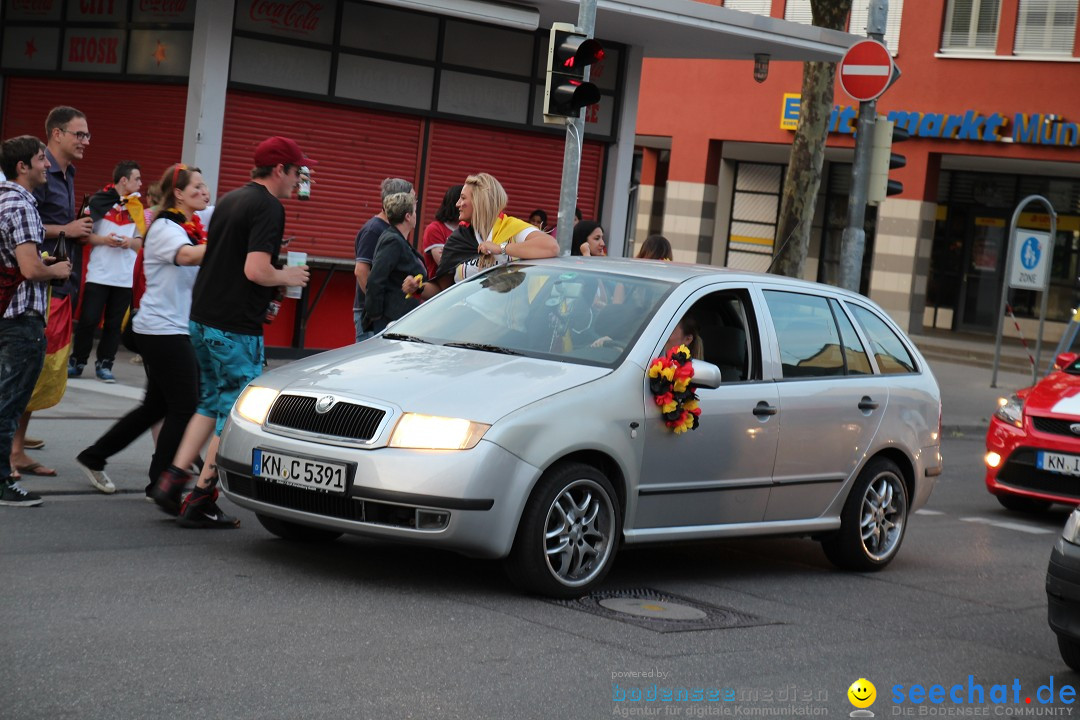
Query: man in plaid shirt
point(24, 298)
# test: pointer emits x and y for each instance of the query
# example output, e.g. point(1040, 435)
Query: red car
point(1033, 444)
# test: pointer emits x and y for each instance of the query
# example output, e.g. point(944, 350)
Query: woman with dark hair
point(436, 233)
point(173, 250)
point(655, 247)
point(588, 239)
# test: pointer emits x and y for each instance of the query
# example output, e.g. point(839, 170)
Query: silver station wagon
point(513, 416)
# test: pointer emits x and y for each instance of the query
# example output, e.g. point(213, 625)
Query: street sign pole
point(575, 134)
point(853, 241)
point(1008, 278)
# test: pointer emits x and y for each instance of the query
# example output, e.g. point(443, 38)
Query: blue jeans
point(22, 355)
point(361, 334)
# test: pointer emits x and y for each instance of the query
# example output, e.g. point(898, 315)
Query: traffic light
point(883, 159)
point(566, 92)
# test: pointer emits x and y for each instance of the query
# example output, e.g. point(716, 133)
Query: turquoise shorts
point(228, 361)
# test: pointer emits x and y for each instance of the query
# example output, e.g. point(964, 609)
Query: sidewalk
point(961, 364)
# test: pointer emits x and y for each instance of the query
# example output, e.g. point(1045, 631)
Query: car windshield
point(540, 311)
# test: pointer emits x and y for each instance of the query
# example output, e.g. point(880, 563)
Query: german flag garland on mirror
point(669, 380)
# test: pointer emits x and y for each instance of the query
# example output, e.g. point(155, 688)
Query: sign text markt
point(1035, 129)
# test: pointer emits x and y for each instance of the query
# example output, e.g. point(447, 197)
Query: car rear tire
point(873, 520)
point(296, 533)
point(568, 533)
point(1019, 503)
point(1070, 652)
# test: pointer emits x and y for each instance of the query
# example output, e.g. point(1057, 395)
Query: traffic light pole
point(853, 241)
point(575, 134)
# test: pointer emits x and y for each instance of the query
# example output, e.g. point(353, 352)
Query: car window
point(806, 333)
point(725, 323)
point(541, 311)
point(889, 351)
point(854, 353)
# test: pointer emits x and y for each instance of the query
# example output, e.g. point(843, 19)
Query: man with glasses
point(68, 136)
point(233, 291)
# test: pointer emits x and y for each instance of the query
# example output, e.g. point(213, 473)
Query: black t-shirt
point(249, 219)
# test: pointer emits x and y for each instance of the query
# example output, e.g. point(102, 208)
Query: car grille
point(317, 503)
point(344, 419)
point(1055, 426)
point(1020, 472)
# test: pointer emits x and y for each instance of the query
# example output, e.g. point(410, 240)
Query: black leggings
point(172, 394)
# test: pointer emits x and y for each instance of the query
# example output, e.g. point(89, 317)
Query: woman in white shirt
point(172, 251)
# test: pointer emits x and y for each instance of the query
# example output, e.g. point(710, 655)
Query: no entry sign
point(866, 70)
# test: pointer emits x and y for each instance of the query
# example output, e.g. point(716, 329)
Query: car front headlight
point(1072, 527)
point(255, 402)
point(1011, 410)
point(429, 432)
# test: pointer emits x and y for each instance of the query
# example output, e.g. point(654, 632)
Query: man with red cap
point(233, 292)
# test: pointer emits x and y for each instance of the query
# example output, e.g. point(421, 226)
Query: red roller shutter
point(355, 150)
point(529, 166)
point(128, 121)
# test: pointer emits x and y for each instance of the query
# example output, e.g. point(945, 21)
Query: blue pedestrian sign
point(1031, 260)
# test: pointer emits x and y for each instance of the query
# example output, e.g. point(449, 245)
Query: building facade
point(986, 97)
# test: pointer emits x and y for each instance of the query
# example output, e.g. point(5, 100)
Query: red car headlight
point(1011, 410)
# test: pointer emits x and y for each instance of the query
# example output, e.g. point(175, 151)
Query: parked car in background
point(511, 416)
point(1063, 591)
point(1033, 442)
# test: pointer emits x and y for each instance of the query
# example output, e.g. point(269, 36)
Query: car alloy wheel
point(873, 521)
point(568, 533)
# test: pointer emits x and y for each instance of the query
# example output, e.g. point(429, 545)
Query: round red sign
point(866, 70)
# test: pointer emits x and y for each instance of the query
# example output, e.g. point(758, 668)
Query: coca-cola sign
point(292, 18)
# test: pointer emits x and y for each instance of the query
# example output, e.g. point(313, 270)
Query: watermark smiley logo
point(862, 695)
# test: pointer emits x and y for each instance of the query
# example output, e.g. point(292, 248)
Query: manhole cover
point(662, 612)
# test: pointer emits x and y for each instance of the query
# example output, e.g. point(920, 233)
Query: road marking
point(118, 389)
point(1009, 525)
point(924, 511)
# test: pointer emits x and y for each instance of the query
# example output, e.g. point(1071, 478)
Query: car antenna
point(784, 245)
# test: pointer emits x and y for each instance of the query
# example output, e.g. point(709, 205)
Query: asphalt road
point(110, 611)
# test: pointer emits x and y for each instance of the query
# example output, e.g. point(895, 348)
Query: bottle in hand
point(61, 256)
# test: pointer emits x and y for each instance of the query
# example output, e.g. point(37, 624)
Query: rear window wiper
point(483, 346)
point(409, 338)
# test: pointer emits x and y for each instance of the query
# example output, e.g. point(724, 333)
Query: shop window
point(757, 7)
point(799, 11)
point(971, 26)
point(1046, 27)
point(755, 209)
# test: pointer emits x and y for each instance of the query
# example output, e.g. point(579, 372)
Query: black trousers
point(172, 394)
point(97, 300)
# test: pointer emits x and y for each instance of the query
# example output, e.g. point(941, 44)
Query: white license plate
point(298, 471)
point(1059, 463)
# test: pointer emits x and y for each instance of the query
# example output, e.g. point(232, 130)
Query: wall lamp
point(518, 17)
point(761, 66)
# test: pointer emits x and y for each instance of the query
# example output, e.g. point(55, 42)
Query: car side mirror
point(706, 375)
point(1064, 360)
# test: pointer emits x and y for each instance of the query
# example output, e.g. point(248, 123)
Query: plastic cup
point(293, 258)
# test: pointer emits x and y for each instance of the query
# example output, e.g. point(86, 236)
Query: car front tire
point(873, 521)
point(568, 533)
point(296, 533)
point(1019, 503)
point(1070, 652)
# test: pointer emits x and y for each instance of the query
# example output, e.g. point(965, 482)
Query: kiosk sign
point(1031, 260)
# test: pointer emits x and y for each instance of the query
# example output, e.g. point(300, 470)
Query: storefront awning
point(664, 28)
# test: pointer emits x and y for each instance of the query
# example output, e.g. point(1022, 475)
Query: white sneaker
point(98, 479)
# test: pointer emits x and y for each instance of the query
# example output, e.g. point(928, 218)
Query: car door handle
point(867, 403)
point(764, 409)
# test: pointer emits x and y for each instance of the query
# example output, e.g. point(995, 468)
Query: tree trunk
point(803, 178)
